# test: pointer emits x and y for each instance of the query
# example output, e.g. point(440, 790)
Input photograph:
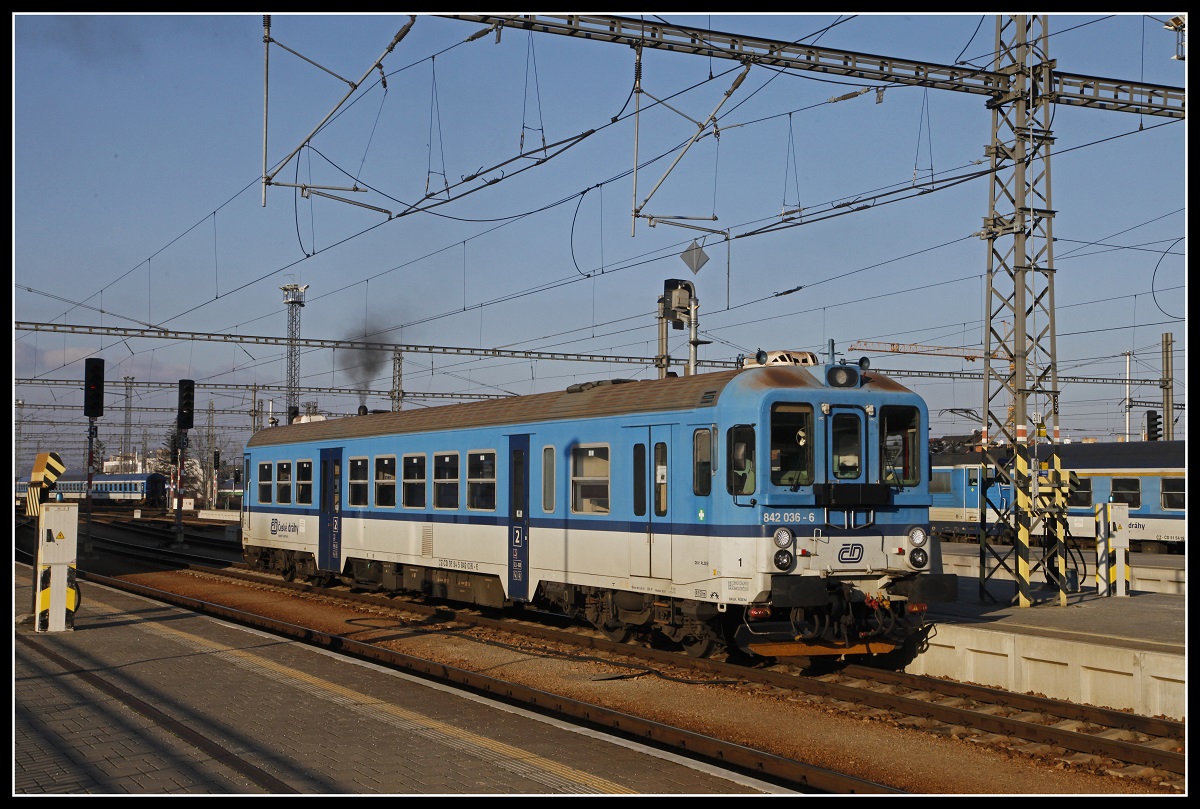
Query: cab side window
point(740, 450)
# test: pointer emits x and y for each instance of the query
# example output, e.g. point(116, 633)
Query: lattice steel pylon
point(293, 298)
point(210, 435)
point(127, 436)
point(397, 380)
point(1022, 369)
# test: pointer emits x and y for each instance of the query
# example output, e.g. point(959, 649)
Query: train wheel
point(698, 646)
point(617, 633)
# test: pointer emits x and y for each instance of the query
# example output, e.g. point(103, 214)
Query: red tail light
point(758, 613)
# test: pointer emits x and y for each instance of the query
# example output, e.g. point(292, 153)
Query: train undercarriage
point(834, 620)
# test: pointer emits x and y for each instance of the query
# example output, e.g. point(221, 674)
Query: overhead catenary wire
point(367, 280)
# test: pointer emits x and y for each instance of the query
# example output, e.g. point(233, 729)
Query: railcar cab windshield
point(899, 445)
point(828, 444)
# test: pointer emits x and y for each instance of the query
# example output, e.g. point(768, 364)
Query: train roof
point(1124, 454)
point(1106, 455)
point(587, 400)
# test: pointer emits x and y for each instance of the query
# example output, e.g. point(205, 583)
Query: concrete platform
point(142, 698)
point(1148, 572)
point(1127, 653)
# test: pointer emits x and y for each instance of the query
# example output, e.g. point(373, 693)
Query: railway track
point(1055, 733)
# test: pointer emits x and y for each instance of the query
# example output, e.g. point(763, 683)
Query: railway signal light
point(216, 459)
point(677, 300)
point(187, 404)
point(1153, 426)
point(93, 388)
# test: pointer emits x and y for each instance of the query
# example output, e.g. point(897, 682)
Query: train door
point(518, 517)
point(847, 458)
point(995, 502)
point(972, 499)
point(329, 539)
point(245, 498)
point(651, 553)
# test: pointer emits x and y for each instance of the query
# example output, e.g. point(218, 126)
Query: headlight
point(841, 376)
point(917, 537)
point(918, 557)
point(783, 560)
point(783, 538)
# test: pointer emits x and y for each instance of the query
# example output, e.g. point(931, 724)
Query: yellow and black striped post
point(1022, 490)
point(55, 589)
point(1054, 523)
point(1112, 544)
point(47, 468)
point(55, 586)
point(1103, 560)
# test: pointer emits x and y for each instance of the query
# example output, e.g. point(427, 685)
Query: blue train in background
point(779, 509)
point(142, 490)
point(1149, 476)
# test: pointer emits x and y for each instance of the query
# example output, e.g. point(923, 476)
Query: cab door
point(847, 447)
point(971, 495)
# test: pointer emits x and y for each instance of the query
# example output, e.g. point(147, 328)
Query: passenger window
point(266, 482)
point(481, 480)
point(1127, 490)
point(445, 480)
point(304, 489)
point(414, 481)
point(547, 479)
point(702, 468)
point(589, 480)
point(385, 482)
point(1080, 493)
point(940, 482)
point(283, 482)
point(359, 482)
point(1173, 493)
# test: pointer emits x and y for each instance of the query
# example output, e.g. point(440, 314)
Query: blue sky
point(138, 148)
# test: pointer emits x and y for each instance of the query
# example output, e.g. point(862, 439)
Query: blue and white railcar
point(961, 488)
point(1149, 476)
point(779, 509)
point(136, 489)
